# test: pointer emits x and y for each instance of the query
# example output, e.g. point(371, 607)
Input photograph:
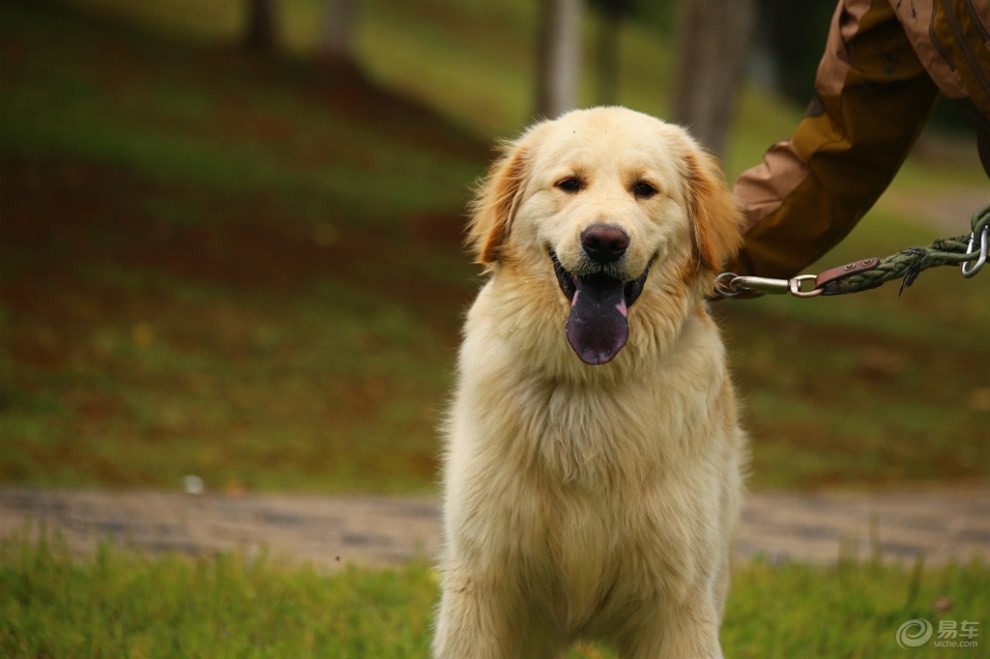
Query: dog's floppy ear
point(715, 215)
point(496, 203)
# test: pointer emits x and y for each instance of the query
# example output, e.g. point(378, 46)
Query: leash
point(968, 252)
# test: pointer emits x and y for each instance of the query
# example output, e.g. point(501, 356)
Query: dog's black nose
point(604, 243)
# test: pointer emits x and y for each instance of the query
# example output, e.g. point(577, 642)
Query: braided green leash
point(968, 252)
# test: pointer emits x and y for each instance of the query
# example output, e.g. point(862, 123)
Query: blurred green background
point(247, 265)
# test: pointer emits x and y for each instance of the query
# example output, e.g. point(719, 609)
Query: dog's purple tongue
point(598, 326)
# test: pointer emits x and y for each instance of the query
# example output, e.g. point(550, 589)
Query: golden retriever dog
point(593, 468)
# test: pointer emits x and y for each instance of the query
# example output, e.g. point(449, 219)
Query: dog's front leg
point(690, 630)
point(475, 618)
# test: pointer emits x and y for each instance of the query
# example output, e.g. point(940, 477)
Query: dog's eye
point(643, 190)
point(570, 185)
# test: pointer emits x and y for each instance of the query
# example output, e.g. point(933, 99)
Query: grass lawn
point(249, 269)
point(122, 604)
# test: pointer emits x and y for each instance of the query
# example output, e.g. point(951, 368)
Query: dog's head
point(606, 208)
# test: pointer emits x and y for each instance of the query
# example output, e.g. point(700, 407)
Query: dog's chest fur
point(597, 428)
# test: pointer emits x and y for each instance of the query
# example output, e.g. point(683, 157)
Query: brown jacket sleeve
point(872, 98)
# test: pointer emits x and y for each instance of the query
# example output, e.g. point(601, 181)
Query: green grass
point(249, 269)
point(218, 295)
point(122, 604)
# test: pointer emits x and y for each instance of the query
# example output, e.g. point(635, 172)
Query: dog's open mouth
point(598, 326)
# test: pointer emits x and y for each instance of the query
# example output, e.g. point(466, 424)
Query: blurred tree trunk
point(791, 37)
point(337, 43)
point(611, 14)
point(260, 34)
point(608, 59)
point(714, 39)
point(558, 56)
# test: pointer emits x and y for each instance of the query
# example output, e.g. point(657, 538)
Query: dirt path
point(331, 531)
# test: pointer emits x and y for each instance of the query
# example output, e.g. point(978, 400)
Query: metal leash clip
point(729, 284)
point(969, 269)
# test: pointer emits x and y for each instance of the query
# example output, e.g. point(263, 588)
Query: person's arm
point(872, 99)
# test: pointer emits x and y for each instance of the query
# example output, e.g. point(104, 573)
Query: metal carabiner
point(795, 286)
point(970, 269)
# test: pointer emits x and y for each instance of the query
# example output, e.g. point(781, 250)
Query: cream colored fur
point(592, 502)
